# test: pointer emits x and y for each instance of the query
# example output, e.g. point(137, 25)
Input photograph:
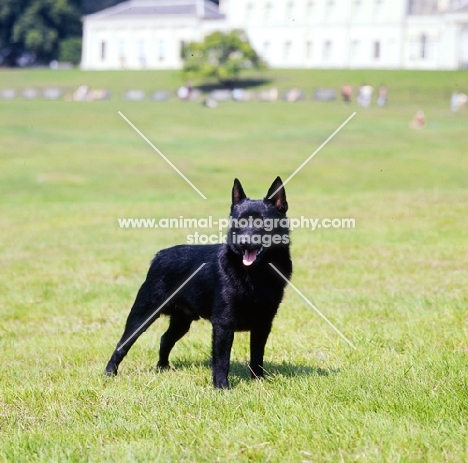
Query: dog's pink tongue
point(249, 257)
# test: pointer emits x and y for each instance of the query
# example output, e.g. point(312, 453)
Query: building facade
point(146, 34)
point(384, 34)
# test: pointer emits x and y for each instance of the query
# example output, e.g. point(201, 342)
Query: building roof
point(463, 9)
point(203, 9)
point(459, 6)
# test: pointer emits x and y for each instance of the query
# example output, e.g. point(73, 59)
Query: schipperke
point(237, 289)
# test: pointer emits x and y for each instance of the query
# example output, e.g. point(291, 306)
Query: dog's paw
point(110, 372)
point(162, 366)
point(221, 384)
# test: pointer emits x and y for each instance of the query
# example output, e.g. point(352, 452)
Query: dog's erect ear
point(237, 192)
point(277, 195)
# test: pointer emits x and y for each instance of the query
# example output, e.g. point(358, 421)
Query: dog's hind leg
point(138, 321)
point(178, 326)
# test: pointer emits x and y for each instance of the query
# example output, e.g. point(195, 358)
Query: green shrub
point(70, 50)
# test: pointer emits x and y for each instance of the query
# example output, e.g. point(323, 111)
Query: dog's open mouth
point(250, 255)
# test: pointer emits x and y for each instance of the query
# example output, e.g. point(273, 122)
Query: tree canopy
point(221, 56)
point(38, 25)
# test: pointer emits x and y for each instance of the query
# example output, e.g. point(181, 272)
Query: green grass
point(395, 285)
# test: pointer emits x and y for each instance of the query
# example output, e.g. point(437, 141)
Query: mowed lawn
point(395, 285)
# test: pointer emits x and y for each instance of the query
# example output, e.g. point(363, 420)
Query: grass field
point(395, 285)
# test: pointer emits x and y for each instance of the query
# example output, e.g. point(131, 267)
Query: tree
point(9, 11)
point(91, 6)
point(38, 25)
point(221, 56)
point(70, 50)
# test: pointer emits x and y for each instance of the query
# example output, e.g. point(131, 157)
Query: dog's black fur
point(237, 289)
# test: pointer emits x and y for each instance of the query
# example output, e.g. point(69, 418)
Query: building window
point(287, 51)
point(182, 49)
point(122, 52)
point(266, 50)
point(267, 13)
point(309, 50)
point(122, 48)
point(329, 10)
point(161, 50)
point(357, 9)
point(379, 9)
point(310, 12)
point(392, 49)
point(355, 45)
point(249, 12)
point(142, 53)
point(103, 51)
point(376, 50)
point(464, 48)
point(289, 10)
point(422, 7)
point(423, 46)
point(327, 50)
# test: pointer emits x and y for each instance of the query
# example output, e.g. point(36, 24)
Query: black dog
point(237, 289)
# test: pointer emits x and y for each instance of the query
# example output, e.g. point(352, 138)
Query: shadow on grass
point(244, 83)
point(241, 371)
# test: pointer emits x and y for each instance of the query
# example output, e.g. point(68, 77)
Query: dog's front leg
point(223, 336)
point(258, 338)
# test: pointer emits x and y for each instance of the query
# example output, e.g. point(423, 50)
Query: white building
point(146, 34)
point(396, 34)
